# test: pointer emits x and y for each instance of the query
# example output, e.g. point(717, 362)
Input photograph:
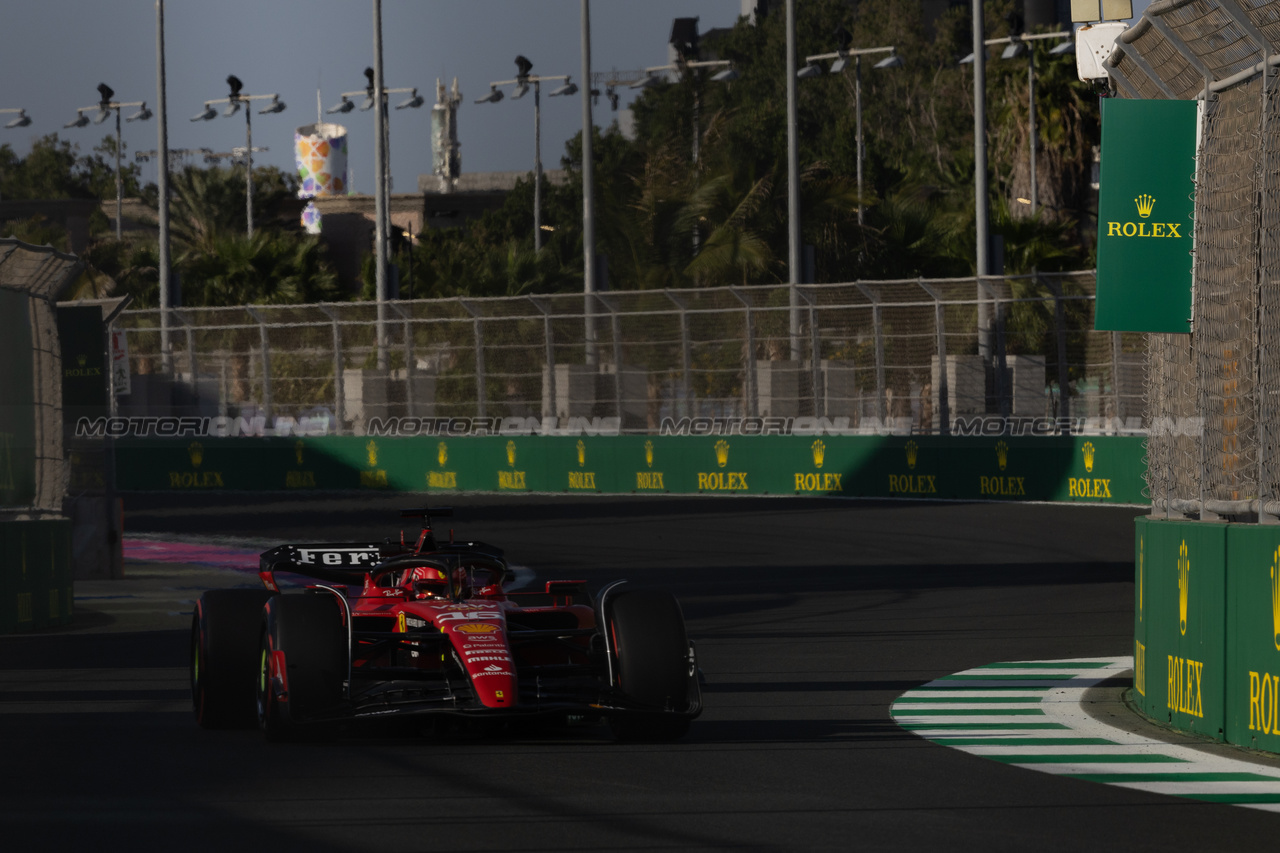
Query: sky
point(54, 53)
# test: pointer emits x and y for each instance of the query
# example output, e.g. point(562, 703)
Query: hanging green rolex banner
point(1145, 206)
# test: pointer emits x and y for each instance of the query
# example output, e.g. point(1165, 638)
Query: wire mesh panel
point(868, 356)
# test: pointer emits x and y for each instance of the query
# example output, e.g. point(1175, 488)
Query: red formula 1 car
point(395, 630)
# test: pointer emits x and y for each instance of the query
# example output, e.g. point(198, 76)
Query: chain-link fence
point(868, 356)
point(1211, 395)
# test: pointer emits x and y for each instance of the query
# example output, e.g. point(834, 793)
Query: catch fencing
point(1225, 375)
point(873, 356)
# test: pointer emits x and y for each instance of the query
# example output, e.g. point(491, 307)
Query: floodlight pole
point(592, 356)
point(980, 176)
point(380, 199)
point(536, 80)
point(793, 188)
point(247, 101)
point(115, 106)
point(162, 183)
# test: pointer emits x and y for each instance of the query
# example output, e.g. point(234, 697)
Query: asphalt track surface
point(810, 616)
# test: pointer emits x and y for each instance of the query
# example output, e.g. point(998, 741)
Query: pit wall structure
point(1207, 629)
point(1087, 469)
point(35, 574)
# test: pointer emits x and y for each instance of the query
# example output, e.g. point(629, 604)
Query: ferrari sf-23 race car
point(395, 630)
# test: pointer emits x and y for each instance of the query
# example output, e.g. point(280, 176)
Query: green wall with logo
point(1095, 469)
point(35, 575)
point(1223, 661)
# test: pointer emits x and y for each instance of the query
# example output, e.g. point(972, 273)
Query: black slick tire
point(651, 654)
point(308, 633)
point(224, 651)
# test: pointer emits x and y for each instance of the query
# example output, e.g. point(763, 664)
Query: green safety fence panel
point(1096, 469)
point(35, 575)
point(1183, 614)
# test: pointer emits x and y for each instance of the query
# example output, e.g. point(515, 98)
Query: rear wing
point(347, 562)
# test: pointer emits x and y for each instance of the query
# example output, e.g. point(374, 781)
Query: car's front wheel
point(302, 663)
point(652, 655)
point(224, 645)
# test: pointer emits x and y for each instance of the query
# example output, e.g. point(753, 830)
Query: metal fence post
point(339, 398)
point(686, 356)
point(1116, 356)
point(940, 330)
point(615, 325)
point(815, 354)
point(478, 333)
point(550, 402)
point(266, 361)
point(749, 390)
point(408, 357)
point(877, 322)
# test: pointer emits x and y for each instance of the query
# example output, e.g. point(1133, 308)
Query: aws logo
point(1145, 204)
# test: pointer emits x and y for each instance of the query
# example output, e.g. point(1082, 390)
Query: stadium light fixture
point(234, 100)
point(22, 119)
point(105, 106)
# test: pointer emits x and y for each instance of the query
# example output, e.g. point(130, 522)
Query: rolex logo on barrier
point(1275, 598)
point(1002, 455)
point(1145, 203)
point(1088, 452)
point(195, 479)
point(649, 480)
point(511, 479)
point(299, 479)
point(442, 479)
point(819, 453)
point(913, 450)
point(722, 481)
point(722, 453)
point(1141, 571)
point(297, 450)
point(1184, 585)
point(1001, 486)
point(582, 479)
point(375, 477)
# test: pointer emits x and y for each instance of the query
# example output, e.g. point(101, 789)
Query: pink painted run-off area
point(216, 556)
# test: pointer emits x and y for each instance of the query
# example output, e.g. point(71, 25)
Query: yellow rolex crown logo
point(648, 453)
point(582, 453)
point(511, 453)
point(1141, 570)
point(372, 450)
point(913, 451)
point(722, 453)
point(1275, 598)
point(1088, 456)
point(195, 450)
point(81, 359)
point(442, 453)
point(1184, 584)
point(1144, 202)
point(1002, 454)
point(297, 451)
point(819, 452)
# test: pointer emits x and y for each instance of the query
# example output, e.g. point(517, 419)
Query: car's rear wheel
point(224, 646)
point(651, 651)
point(302, 662)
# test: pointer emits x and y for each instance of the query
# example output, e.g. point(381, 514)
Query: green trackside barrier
point(1253, 636)
point(1093, 469)
point(35, 575)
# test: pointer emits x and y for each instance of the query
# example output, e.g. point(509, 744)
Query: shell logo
point(476, 628)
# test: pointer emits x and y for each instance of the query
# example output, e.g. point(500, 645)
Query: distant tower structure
point(446, 156)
